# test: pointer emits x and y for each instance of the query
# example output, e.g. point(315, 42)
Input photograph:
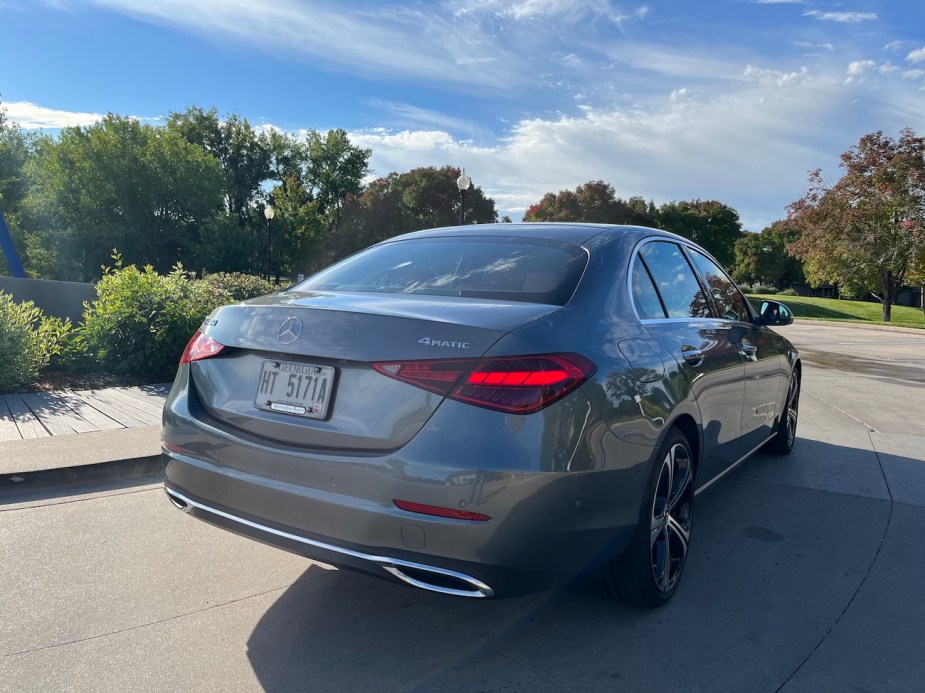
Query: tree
point(422, 198)
point(298, 228)
point(866, 231)
point(119, 184)
point(14, 153)
point(593, 202)
point(335, 170)
point(711, 224)
point(243, 154)
point(763, 257)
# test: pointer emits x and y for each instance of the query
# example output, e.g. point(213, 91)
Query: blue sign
point(12, 257)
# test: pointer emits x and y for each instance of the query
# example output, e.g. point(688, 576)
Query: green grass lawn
point(846, 311)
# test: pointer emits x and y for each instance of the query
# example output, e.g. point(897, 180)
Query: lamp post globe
point(268, 213)
point(463, 183)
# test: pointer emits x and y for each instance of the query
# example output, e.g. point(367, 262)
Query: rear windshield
point(508, 269)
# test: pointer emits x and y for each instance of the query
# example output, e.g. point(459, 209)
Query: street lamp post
point(268, 212)
point(463, 183)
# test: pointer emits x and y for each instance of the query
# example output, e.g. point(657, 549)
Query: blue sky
point(735, 100)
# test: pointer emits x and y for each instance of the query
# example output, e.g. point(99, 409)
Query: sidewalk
point(119, 435)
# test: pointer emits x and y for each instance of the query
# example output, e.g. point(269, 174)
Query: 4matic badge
point(428, 341)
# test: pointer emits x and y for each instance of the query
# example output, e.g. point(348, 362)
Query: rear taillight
point(514, 384)
point(200, 347)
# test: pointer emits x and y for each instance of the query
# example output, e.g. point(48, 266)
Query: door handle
point(749, 351)
point(691, 354)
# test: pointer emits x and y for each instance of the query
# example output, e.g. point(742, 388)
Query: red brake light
point(200, 347)
point(439, 511)
point(513, 384)
point(435, 376)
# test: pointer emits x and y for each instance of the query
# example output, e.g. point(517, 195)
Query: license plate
point(299, 389)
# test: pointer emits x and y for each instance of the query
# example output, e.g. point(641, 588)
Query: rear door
point(761, 358)
point(674, 309)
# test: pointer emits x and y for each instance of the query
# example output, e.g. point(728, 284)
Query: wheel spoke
point(681, 491)
point(681, 533)
point(661, 560)
point(792, 409)
point(685, 478)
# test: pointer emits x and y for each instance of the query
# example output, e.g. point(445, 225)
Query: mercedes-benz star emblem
point(290, 331)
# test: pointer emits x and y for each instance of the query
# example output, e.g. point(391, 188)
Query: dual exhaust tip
point(430, 578)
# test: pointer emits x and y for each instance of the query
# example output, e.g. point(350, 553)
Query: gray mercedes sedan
point(484, 410)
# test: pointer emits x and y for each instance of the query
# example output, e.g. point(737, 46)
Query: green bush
point(759, 289)
point(790, 292)
point(141, 321)
point(240, 286)
point(28, 340)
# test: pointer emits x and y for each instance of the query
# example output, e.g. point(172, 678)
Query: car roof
point(570, 232)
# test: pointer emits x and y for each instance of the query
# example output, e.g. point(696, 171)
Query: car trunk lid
point(317, 348)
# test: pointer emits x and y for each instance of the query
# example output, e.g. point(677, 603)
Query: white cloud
point(409, 141)
point(814, 46)
point(913, 74)
point(30, 116)
point(781, 79)
point(893, 46)
point(888, 68)
point(859, 67)
point(404, 116)
point(530, 10)
point(916, 56)
point(408, 41)
point(842, 17)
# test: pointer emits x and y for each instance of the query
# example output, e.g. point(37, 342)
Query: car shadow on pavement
point(751, 609)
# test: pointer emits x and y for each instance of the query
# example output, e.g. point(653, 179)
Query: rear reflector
point(200, 347)
point(513, 384)
point(440, 511)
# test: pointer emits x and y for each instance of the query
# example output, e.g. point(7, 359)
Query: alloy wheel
point(793, 404)
point(670, 525)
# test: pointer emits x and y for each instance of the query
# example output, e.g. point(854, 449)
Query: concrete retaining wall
point(61, 299)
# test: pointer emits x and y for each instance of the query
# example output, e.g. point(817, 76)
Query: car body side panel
point(767, 371)
point(715, 381)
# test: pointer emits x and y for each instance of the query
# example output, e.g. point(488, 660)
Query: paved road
point(806, 574)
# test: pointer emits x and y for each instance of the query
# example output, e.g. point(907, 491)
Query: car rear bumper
point(339, 508)
point(427, 577)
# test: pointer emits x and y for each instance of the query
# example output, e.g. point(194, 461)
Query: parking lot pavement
point(806, 574)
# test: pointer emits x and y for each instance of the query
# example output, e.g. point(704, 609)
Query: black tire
point(786, 433)
point(648, 573)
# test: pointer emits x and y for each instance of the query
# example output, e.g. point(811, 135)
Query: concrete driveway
point(806, 574)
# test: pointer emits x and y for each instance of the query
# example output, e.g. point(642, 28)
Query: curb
point(116, 470)
point(860, 325)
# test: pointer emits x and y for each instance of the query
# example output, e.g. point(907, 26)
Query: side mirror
point(775, 314)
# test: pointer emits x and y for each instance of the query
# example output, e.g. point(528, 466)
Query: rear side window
point(645, 297)
point(677, 285)
point(730, 303)
point(508, 269)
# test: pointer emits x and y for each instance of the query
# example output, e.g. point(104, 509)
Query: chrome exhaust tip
point(439, 580)
point(178, 503)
